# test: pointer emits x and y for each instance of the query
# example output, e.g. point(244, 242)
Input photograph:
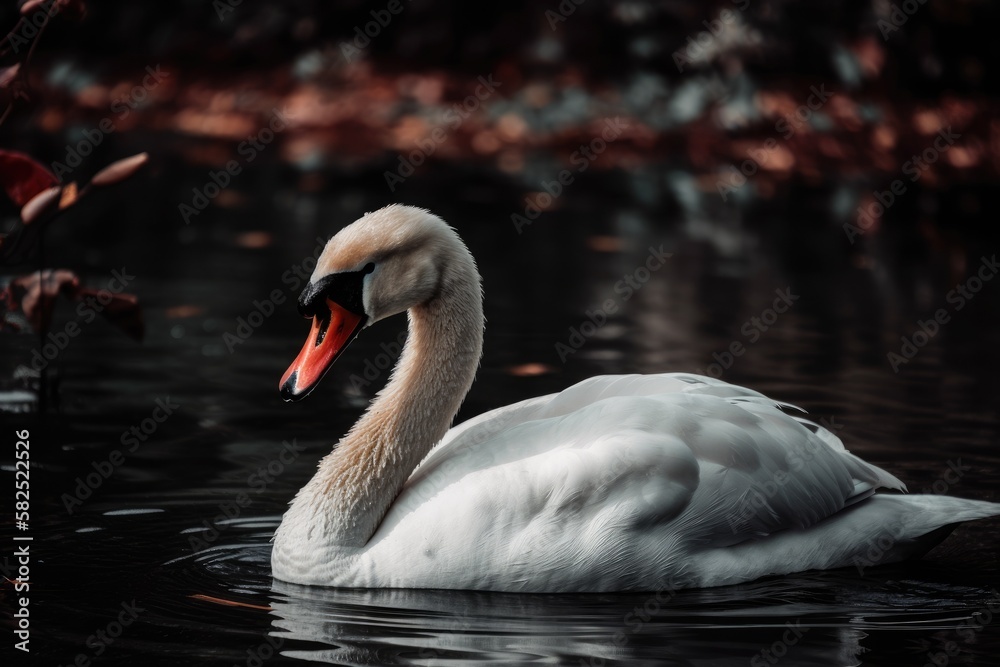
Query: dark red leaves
point(8, 75)
point(40, 204)
point(117, 172)
point(73, 10)
point(35, 295)
point(122, 310)
point(22, 178)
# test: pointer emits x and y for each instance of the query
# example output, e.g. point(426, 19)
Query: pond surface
point(174, 544)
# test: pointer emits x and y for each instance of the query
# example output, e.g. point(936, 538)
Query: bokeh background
point(758, 144)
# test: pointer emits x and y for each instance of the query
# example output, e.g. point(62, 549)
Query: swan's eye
point(369, 267)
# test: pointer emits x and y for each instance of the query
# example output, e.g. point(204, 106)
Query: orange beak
point(330, 334)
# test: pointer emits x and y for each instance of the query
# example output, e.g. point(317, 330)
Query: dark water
point(175, 544)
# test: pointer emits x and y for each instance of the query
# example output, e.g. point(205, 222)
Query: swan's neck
point(358, 482)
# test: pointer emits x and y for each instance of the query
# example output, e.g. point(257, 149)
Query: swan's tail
point(950, 510)
point(885, 528)
point(908, 526)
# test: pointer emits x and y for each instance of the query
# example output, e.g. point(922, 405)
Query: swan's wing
point(764, 471)
point(616, 464)
point(471, 434)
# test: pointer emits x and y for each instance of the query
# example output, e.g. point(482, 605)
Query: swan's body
point(640, 482)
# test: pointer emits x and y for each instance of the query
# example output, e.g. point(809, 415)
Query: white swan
point(633, 482)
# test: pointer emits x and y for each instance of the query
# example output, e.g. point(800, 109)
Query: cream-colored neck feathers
point(357, 482)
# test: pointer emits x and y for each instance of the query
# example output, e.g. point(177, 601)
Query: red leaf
point(32, 6)
point(22, 178)
point(8, 74)
point(38, 292)
point(120, 170)
point(39, 204)
point(69, 9)
point(122, 310)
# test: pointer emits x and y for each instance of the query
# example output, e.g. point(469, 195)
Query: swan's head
point(388, 261)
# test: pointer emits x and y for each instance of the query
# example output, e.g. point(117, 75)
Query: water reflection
point(401, 627)
point(822, 619)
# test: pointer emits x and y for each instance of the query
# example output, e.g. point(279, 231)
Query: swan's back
point(750, 452)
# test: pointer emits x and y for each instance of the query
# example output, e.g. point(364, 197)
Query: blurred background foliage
point(230, 63)
point(700, 89)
